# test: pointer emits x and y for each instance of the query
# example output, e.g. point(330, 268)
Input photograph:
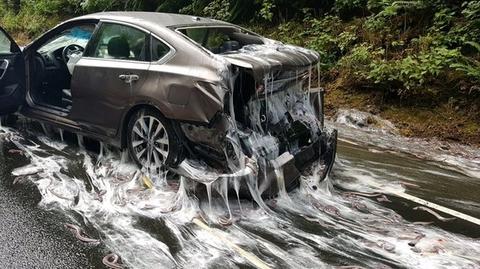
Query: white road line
point(252, 258)
point(440, 208)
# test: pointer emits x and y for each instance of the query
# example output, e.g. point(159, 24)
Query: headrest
point(231, 45)
point(118, 47)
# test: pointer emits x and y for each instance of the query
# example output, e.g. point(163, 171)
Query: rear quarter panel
point(173, 84)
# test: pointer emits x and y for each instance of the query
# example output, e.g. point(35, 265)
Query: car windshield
point(79, 35)
point(221, 39)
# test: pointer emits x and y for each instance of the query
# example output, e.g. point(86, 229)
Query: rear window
point(221, 39)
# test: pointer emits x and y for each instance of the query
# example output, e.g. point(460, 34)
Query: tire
point(152, 141)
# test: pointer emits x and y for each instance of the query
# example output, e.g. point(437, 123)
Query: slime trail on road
point(321, 225)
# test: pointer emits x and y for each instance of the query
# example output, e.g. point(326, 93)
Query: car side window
point(76, 35)
point(5, 44)
point(159, 49)
point(116, 41)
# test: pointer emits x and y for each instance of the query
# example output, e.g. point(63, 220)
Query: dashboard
point(53, 59)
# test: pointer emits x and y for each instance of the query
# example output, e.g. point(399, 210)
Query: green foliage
point(34, 18)
point(194, 7)
point(97, 5)
point(414, 73)
point(471, 27)
point(470, 66)
point(357, 65)
point(291, 33)
point(473, 44)
point(443, 19)
point(345, 40)
point(349, 8)
point(409, 47)
point(376, 6)
point(49, 7)
point(218, 9)
point(325, 39)
point(471, 10)
point(171, 6)
point(266, 10)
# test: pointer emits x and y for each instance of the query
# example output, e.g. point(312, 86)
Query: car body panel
point(268, 58)
point(100, 97)
point(178, 94)
point(152, 20)
point(174, 80)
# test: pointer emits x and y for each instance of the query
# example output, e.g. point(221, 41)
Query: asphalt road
point(32, 237)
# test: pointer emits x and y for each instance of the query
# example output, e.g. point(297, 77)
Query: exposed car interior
point(53, 65)
point(54, 62)
point(220, 40)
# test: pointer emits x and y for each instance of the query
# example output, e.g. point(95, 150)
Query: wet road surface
point(321, 225)
point(33, 237)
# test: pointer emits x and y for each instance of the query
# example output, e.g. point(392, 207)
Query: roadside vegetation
point(416, 63)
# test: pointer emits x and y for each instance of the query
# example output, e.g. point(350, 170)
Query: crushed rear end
point(272, 128)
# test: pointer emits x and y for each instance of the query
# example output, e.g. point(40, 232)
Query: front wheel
point(152, 142)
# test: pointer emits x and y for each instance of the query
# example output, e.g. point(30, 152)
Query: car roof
point(146, 19)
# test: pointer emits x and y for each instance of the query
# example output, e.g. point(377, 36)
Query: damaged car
point(205, 98)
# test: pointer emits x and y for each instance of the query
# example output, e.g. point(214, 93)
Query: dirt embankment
point(451, 121)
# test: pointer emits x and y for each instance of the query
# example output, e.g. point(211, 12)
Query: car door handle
point(129, 78)
point(3, 68)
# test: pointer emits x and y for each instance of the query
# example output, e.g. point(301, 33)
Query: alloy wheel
point(150, 142)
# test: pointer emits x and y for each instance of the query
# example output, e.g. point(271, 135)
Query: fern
point(474, 45)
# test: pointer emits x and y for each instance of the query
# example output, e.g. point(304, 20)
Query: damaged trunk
point(271, 128)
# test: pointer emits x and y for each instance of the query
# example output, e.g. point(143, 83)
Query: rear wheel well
point(127, 117)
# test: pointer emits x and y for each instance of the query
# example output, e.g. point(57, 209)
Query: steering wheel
point(69, 50)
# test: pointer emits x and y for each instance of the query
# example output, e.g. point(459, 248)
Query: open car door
point(12, 75)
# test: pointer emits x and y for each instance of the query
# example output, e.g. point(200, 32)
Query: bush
point(26, 25)
point(97, 5)
point(356, 65)
point(348, 9)
point(414, 74)
point(218, 9)
point(52, 7)
point(35, 17)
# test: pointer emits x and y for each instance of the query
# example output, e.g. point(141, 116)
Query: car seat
point(118, 47)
